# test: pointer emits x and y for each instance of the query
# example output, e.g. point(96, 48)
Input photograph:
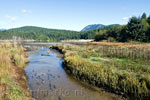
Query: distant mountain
point(2, 29)
point(97, 26)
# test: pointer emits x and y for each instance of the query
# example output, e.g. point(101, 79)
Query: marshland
point(122, 69)
point(94, 70)
point(74, 50)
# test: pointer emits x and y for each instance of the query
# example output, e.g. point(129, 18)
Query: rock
point(45, 55)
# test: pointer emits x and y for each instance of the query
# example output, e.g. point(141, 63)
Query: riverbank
point(13, 81)
point(118, 69)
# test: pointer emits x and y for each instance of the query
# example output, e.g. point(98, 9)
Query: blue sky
point(69, 14)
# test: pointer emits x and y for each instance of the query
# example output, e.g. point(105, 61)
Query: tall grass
point(124, 50)
point(116, 70)
point(12, 76)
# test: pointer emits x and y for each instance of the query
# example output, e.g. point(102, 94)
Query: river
point(48, 80)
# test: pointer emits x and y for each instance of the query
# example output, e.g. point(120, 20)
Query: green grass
point(116, 70)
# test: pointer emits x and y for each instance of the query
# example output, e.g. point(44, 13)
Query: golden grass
point(13, 83)
point(125, 50)
point(130, 45)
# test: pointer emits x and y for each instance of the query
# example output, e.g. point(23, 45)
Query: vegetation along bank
point(13, 81)
point(120, 68)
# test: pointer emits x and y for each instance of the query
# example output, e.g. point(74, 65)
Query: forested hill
point(44, 34)
point(37, 29)
point(39, 33)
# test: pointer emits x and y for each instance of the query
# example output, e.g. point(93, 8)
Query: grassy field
point(120, 68)
point(13, 82)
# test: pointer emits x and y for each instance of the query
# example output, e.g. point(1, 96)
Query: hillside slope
point(39, 33)
point(97, 26)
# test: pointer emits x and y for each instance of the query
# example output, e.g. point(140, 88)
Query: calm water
point(47, 80)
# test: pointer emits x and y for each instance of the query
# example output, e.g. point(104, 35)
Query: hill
point(46, 34)
point(97, 26)
point(39, 33)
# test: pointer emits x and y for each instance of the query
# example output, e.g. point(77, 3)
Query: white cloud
point(127, 18)
point(11, 18)
point(26, 11)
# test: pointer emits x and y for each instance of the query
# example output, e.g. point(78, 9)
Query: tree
point(148, 31)
point(144, 16)
point(123, 36)
point(148, 20)
point(114, 32)
point(101, 35)
point(136, 29)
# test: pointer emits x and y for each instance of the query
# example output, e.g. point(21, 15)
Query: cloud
point(24, 11)
point(11, 18)
point(127, 18)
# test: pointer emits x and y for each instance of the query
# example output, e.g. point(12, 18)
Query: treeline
point(39, 34)
point(137, 29)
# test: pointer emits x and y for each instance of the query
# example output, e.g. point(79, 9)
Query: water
point(47, 80)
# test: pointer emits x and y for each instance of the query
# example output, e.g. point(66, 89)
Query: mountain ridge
point(38, 27)
point(96, 26)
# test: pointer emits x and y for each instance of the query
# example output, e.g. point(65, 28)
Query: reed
point(110, 68)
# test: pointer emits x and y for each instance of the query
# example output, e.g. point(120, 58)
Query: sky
point(69, 14)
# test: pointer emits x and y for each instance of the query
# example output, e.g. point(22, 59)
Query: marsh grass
point(124, 70)
point(12, 76)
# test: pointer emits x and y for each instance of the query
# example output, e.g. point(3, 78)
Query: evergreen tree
point(148, 31)
point(136, 29)
point(144, 16)
point(148, 20)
